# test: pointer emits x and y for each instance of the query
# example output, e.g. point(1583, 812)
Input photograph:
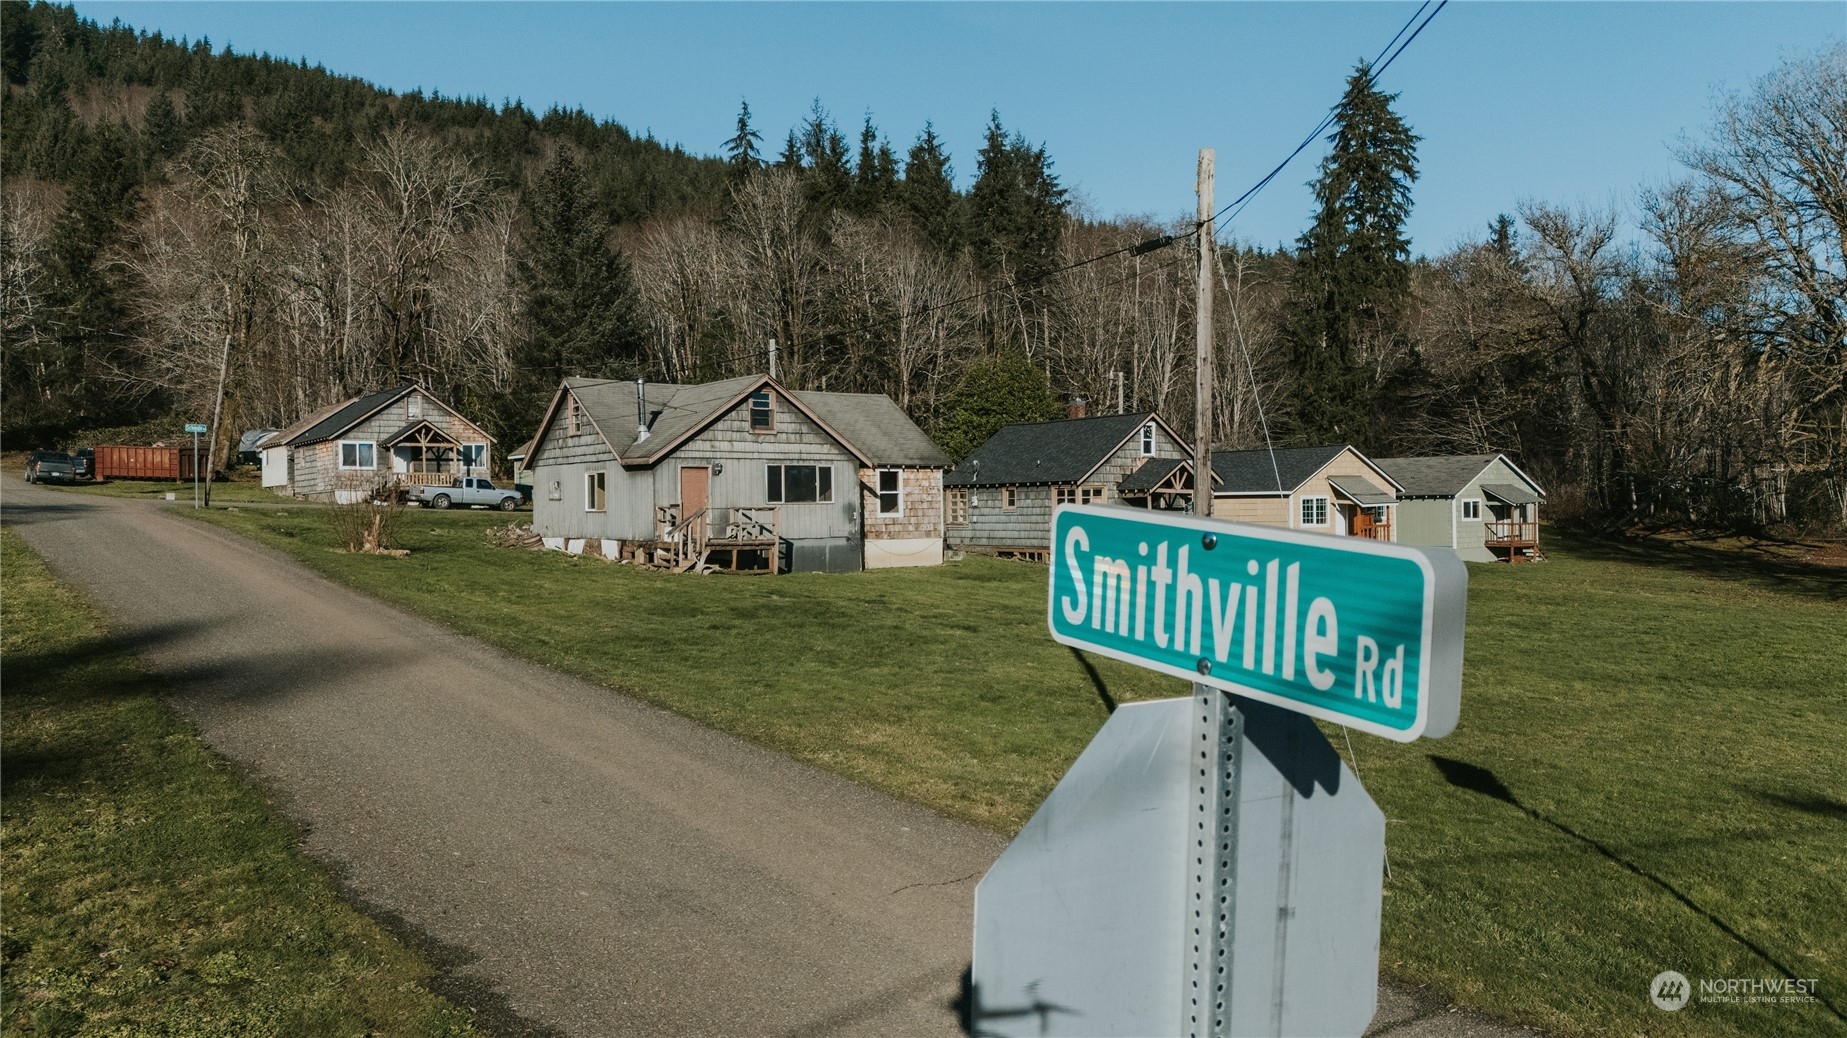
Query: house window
point(958, 507)
point(1148, 440)
point(1009, 498)
point(595, 491)
point(1314, 511)
point(413, 407)
point(577, 415)
point(1066, 495)
point(358, 454)
point(1092, 495)
point(762, 413)
point(473, 455)
point(800, 484)
point(1471, 509)
point(891, 500)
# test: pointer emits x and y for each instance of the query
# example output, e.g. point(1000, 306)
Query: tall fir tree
point(1353, 275)
point(928, 193)
point(579, 295)
point(741, 155)
point(829, 179)
point(1016, 209)
point(875, 175)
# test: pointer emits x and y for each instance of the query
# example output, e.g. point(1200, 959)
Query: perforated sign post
point(1209, 866)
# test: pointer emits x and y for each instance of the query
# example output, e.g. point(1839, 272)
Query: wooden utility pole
point(1202, 419)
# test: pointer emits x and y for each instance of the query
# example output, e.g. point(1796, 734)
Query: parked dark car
point(50, 467)
point(83, 462)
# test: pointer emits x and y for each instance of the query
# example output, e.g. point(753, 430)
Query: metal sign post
point(195, 428)
point(1209, 866)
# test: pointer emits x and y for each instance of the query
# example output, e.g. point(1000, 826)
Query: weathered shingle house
point(1000, 498)
point(743, 472)
point(356, 447)
point(1328, 489)
point(1481, 505)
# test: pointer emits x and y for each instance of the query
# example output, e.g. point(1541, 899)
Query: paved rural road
point(590, 864)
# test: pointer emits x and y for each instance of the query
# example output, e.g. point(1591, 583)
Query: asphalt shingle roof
point(870, 422)
point(1045, 452)
point(1254, 472)
point(1435, 477)
point(343, 416)
point(1152, 471)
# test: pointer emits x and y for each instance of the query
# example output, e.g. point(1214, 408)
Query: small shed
point(1482, 505)
point(999, 500)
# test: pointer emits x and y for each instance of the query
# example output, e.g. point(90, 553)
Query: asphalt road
point(576, 860)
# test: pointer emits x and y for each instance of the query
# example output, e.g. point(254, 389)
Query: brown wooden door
point(1362, 522)
point(695, 490)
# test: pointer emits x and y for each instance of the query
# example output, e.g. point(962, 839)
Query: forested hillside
point(179, 221)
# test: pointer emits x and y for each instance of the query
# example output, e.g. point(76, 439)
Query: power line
point(1383, 61)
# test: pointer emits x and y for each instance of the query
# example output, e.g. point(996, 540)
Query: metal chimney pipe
point(641, 409)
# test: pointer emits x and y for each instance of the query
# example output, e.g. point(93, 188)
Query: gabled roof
point(252, 439)
point(1261, 471)
point(1445, 476)
point(416, 423)
point(867, 425)
point(330, 422)
point(1066, 451)
point(874, 423)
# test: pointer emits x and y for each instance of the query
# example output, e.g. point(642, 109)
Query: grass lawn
point(1648, 775)
point(235, 491)
point(148, 889)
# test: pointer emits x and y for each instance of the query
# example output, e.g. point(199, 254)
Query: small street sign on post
point(1209, 866)
point(195, 428)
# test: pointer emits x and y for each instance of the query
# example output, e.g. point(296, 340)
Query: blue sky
point(1575, 103)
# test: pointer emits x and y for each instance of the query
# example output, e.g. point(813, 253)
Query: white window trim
point(1466, 517)
point(413, 406)
point(1327, 512)
point(1148, 440)
point(589, 478)
point(879, 494)
point(750, 411)
point(481, 464)
point(344, 467)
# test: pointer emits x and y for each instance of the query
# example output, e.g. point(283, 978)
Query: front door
point(1362, 522)
point(695, 490)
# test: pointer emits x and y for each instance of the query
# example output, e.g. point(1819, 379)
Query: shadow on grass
point(1096, 679)
point(1766, 564)
point(1477, 779)
point(1819, 804)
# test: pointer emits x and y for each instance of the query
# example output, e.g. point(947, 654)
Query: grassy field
point(1649, 772)
point(148, 889)
point(236, 491)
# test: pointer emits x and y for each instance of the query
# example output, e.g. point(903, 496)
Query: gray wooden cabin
point(1000, 498)
point(360, 447)
point(1331, 489)
point(1481, 505)
point(743, 473)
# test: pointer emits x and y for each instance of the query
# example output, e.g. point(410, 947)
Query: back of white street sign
point(1083, 927)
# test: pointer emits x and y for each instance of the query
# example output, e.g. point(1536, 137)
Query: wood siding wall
point(992, 527)
point(317, 473)
point(921, 504)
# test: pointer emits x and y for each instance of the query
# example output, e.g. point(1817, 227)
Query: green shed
point(1481, 505)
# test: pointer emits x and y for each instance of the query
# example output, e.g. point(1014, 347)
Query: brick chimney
point(1076, 408)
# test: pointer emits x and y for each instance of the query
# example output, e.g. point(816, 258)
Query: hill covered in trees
point(183, 225)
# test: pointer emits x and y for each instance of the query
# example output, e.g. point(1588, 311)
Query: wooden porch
point(749, 541)
point(1518, 538)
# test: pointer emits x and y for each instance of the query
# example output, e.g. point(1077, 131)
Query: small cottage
point(744, 474)
point(1481, 505)
point(1328, 489)
point(357, 448)
point(999, 499)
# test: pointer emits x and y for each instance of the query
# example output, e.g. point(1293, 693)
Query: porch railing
point(1374, 532)
point(1510, 533)
point(426, 479)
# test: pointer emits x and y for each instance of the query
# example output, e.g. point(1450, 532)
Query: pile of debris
point(515, 535)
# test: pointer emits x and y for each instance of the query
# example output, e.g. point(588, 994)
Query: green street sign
point(196, 427)
point(1359, 632)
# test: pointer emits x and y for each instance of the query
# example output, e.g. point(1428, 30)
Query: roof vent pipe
point(641, 409)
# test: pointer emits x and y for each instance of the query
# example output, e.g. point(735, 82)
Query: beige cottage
point(1330, 489)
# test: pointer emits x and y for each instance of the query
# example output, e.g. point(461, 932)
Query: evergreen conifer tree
point(1353, 273)
point(1016, 208)
point(928, 193)
point(580, 299)
point(875, 175)
point(741, 155)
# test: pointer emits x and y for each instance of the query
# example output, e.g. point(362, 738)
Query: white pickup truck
point(467, 491)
